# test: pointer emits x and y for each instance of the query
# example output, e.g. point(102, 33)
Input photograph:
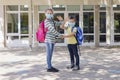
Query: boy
point(71, 42)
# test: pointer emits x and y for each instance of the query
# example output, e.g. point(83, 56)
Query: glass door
point(117, 27)
point(102, 27)
point(17, 32)
point(88, 26)
point(58, 26)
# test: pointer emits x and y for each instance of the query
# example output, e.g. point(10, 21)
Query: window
point(58, 7)
point(88, 7)
point(12, 23)
point(88, 20)
point(102, 7)
point(24, 23)
point(17, 21)
point(116, 7)
point(43, 7)
point(102, 26)
point(12, 8)
point(116, 27)
point(88, 26)
point(73, 8)
point(24, 7)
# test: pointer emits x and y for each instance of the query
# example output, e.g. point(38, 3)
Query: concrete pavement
point(96, 64)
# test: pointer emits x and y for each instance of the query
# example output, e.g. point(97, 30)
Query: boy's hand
point(66, 19)
point(62, 36)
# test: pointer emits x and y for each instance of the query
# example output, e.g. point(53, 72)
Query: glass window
point(88, 38)
point(12, 23)
point(117, 22)
point(24, 37)
point(58, 7)
point(24, 23)
point(12, 8)
point(41, 17)
point(12, 38)
point(102, 22)
point(117, 38)
point(102, 38)
point(102, 7)
point(116, 7)
point(88, 22)
point(73, 8)
point(24, 7)
point(88, 7)
point(43, 7)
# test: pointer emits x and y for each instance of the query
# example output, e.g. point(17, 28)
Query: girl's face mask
point(49, 16)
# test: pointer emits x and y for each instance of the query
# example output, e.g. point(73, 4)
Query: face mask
point(49, 16)
point(71, 24)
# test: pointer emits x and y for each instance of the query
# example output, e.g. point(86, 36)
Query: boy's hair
point(49, 9)
point(72, 17)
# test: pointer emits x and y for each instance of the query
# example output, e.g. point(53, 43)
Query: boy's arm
point(62, 26)
point(69, 35)
point(72, 34)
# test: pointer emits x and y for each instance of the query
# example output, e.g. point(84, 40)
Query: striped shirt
point(51, 33)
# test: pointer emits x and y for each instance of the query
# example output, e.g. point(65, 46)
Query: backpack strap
point(73, 29)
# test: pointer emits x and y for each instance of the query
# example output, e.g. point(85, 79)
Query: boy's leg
point(71, 54)
point(75, 51)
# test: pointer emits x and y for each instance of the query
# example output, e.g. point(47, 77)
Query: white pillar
point(30, 23)
point(108, 21)
point(1, 26)
point(35, 24)
point(96, 24)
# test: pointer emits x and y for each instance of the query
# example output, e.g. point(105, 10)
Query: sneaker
point(76, 68)
point(52, 70)
point(70, 67)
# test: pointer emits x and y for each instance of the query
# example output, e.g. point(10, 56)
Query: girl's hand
point(60, 18)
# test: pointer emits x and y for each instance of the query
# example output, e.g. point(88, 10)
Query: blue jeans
point(49, 52)
point(73, 50)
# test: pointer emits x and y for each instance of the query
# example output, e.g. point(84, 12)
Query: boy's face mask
point(49, 16)
point(71, 24)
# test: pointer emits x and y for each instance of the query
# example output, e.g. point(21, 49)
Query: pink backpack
point(41, 32)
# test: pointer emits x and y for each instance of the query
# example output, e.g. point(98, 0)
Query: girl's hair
point(49, 9)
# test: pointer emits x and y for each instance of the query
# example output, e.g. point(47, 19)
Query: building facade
point(99, 20)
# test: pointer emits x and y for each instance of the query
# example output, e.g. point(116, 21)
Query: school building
point(99, 20)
